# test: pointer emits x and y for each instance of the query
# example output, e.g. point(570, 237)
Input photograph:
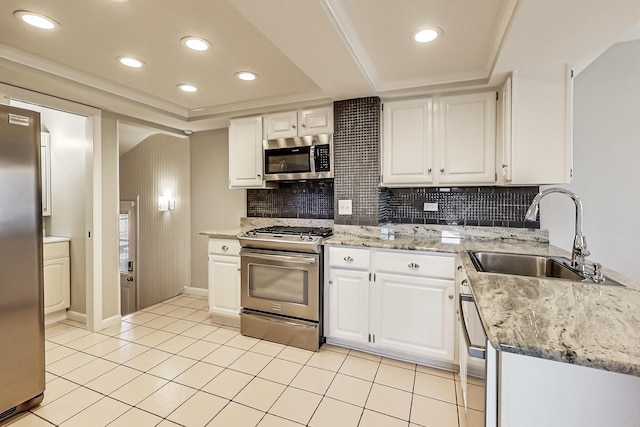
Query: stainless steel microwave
point(305, 157)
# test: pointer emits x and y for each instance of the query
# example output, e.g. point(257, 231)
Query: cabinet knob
point(304, 125)
point(258, 175)
point(348, 259)
point(450, 296)
point(414, 265)
point(504, 166)
point(225, 247)
point(429, 170)
point(459, 268)
point(442, 170)
point(465, 282)
point(293, 126)
point(331, 282)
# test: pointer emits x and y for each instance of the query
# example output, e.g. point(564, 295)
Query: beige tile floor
point(171, 365)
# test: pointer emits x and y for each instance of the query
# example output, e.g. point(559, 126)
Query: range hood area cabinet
point(245, 153)
point(441, 140)
point(535, 123)
point(310, 121)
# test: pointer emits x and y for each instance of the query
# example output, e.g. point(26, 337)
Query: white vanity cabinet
point(535, 142)
point(439, 141)
point(57, 277)
point(245, 153)
point(310, 121)
point(398, 303)
point(224, 281)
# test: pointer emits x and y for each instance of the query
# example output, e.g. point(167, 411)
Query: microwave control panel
point(323, 158)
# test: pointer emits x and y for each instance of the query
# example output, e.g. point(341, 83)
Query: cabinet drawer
point(55, 250)
point(349, 258)
point(224, 246)
point(418, 264)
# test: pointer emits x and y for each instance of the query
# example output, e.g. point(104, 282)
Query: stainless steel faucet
point(580, 250)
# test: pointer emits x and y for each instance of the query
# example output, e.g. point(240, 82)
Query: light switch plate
point(344, 207)
point(431, 207)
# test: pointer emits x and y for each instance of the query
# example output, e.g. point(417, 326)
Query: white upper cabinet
point(245, 153)
point(310, 121)
point(439, 141)
point(467, 138)
point(407, 151)
point(281, 125)
point(536, 141)
point(315, 121)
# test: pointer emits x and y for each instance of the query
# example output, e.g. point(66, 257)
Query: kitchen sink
point(532, 266)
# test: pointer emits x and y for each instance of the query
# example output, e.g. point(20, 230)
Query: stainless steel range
point(281, 284)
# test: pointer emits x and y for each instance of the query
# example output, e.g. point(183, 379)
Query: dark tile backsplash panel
point(310, 199)
point(356, 164)
point(473, 206)
point(356, 150)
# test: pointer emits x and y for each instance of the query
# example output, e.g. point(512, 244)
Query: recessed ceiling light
point(246, 75)
point(195, 43)
point(36, 20)
point(187, 88)
point(427, 35)
point(130, 62)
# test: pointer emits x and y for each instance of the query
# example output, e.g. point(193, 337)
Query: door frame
point(136, 200)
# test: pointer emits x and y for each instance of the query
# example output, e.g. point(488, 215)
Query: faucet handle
point(597, 273)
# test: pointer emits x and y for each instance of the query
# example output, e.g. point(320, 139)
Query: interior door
point(127, 229)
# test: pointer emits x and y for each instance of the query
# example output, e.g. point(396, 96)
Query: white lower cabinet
point(397, 303)
point(224, 280)
point(57, 279)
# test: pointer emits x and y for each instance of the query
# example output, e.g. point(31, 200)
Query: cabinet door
point(414, 315)
point(56, 284)
point(542, 123)
point(349, 305)
point(314, 121)
point(245, 153)
point(467, 138)
point(224, 285)
point(282, 125)
point(407, 150)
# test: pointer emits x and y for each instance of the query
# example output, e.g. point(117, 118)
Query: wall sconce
point(166, 203)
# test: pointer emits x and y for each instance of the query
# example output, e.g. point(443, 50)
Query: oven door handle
point(273, 257)
point(474, 351)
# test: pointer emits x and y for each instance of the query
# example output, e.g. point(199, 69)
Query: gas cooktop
point(286, 238)
point(283, 229)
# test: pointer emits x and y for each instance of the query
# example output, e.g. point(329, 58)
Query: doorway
point(127, 229)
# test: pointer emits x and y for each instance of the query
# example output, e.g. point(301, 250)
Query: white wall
point(68, 183)
point(213, 204)
point(606, 155)
point(159, 165)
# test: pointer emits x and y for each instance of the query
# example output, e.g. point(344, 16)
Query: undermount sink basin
point(530, 265)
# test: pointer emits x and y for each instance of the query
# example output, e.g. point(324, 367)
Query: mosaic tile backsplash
point(356, 177)
point(356, 151)
point(474, 206)
point(310, 199)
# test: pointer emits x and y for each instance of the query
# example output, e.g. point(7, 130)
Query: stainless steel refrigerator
point(22, 377)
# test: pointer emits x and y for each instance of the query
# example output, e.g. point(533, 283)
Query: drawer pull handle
point(414, 265)
point(348, 259)
point(225, 247)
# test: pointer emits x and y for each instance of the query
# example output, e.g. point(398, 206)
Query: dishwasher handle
point(479, 352)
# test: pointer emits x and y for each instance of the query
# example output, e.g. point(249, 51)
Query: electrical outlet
point(344, 207)
point(431, 207)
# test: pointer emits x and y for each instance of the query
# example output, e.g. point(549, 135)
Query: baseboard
point(54, 317)
point(78, 317)
point(111, 321)
point(195, 291)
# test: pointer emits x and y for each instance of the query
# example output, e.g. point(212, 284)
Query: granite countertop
point(228, 233)
point(584, 324)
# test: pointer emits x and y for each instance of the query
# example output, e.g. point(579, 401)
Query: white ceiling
point(306, 52)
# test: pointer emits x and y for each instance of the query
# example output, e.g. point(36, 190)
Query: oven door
point(283, 283)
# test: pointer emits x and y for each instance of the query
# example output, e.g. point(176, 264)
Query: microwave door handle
point(313, 156)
